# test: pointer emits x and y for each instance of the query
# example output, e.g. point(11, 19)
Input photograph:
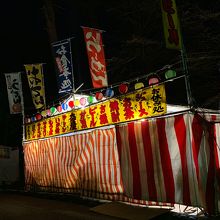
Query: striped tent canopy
point(157, 161)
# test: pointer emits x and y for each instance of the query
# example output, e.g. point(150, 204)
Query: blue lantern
point(109, 92)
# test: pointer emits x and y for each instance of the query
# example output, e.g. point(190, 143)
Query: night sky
point(133, 43)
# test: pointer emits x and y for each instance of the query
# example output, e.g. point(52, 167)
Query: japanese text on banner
point(63, 59)
point(13, 81)
point(96, 57)
point(36, 84)
point(171, 25)
point(141, 104)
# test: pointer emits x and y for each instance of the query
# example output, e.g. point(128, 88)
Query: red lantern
point(71, 104)
point(123, 88)
point(38, 116)
point(98, 96)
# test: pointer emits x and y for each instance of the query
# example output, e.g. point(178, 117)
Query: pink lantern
point(48, 112)
point(153, 80)
point(82, 101)
point(59, 108)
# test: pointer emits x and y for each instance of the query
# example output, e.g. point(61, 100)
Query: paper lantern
point(33, 118)
point(53, 110)
point(44, 113)
point(27, 120)
point(123, 88)
point(99, 96)
point(64, 106)
point(109, 92)
point(90, 99)
point(153, 80)
point(77, 103)
point(71, 104)
point(170, 74)
point(82, 101)
point(138, 85)
point(48, 112)
point(59, 108)
point(38, 116)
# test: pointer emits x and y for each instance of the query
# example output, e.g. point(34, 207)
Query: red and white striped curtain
point(165, 160)
point(87, 161)
point(169, 160)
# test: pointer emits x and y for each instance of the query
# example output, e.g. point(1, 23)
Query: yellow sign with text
point(171, 25)
point(138, 105)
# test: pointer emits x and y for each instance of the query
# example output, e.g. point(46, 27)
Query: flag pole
point(22, 109)
point(186, 73)
point(71, 57)
point(42, 71)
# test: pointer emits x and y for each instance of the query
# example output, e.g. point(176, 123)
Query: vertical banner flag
point(14, 88)
point(36, 84)
point(96, 57)
point(63, 60)
point(171, 25)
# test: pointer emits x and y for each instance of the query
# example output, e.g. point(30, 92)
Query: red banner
point(96, 57)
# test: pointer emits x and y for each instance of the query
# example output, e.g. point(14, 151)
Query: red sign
point(96, 57)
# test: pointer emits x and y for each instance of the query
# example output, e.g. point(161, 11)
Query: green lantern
point(90, 99)
point(170, 74)
point(53, 110)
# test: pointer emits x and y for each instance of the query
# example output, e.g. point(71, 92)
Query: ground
point(17, 205)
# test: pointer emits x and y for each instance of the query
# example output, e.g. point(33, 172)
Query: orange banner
point(141, 104)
